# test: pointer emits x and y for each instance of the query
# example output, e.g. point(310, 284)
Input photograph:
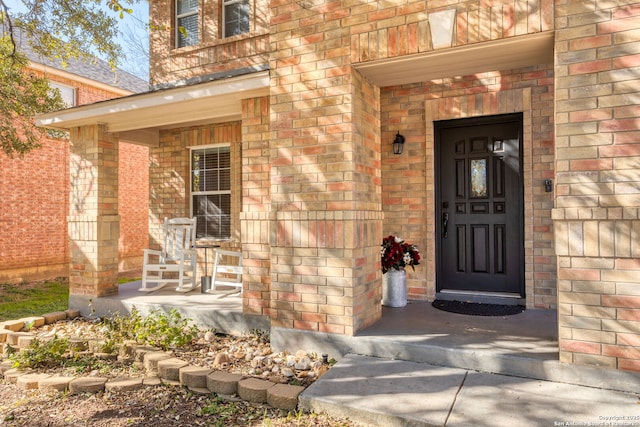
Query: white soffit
point(504, 54)
point(214, 101)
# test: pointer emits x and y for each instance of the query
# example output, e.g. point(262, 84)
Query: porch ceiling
point(137, 118)
point(505, 54)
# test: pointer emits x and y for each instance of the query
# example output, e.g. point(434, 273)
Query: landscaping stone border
point(161, 368)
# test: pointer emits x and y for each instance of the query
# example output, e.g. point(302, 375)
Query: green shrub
point(41, 353)
point(157, 329)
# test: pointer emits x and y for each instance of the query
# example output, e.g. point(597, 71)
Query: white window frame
point(179, 36)
point(193, 194)
point(67, 93)
point(226, 3)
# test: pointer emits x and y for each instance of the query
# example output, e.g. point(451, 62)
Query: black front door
point(480, 206)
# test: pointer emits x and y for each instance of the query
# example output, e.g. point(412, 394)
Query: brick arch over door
point(505, 102)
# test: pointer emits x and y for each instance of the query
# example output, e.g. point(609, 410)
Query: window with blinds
point(211, 191)
point(236, 17)
point(187, 23)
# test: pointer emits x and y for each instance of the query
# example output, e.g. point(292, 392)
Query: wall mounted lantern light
point(398, 144)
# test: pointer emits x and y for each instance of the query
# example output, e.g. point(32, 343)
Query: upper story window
point(236, 17)
point(67, 93)
point(187, 18)
point(211, 191)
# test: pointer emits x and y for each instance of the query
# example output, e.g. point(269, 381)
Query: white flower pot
point(394, 288)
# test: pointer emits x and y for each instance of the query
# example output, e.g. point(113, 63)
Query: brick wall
point(34, 244)
point(35, 205)
point(133, 204)
point(408, 187)
point(213, 54)
point(380, 30)
point(256, 217)
point(597, 216)
point(93, 221)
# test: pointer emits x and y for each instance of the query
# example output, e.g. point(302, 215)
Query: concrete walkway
point(384, 392)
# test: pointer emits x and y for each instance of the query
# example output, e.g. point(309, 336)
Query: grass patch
point(33, 299)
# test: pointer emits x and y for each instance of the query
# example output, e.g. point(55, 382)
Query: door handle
point(445, 223)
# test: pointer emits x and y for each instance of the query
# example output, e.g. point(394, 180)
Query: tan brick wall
point(325, 174)
point(597, 209)
point(255, 218)
point(320, 187)
point(380, 30)
point(213, 54)
point(93, 221)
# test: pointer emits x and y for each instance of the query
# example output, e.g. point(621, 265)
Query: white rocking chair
point(227, 274)
point(178, 256)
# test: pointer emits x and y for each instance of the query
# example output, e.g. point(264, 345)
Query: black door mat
point(478, 309)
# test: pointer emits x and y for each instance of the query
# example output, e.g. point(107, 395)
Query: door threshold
point(503, 298)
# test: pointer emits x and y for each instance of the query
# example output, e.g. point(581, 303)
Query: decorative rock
point(12, 325)
point(3, 335)
point(123, 384)
point(254, 390)
point(304, 364)
point(284, 396)
point(151, 360)
point(87, 385)
point(169, 369)
point(209, 336)
point(30, 381)
point(257, 362)
point(221, 358)
point(55, 382)
point(194, 377)
point(223, 382)
point(288, 372)
point(54, 317)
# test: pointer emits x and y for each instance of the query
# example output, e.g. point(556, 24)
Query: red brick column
point(597, 215)
point(94, 223)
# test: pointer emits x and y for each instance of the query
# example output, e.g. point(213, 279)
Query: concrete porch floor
point(531, 334)
point(221, 310)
